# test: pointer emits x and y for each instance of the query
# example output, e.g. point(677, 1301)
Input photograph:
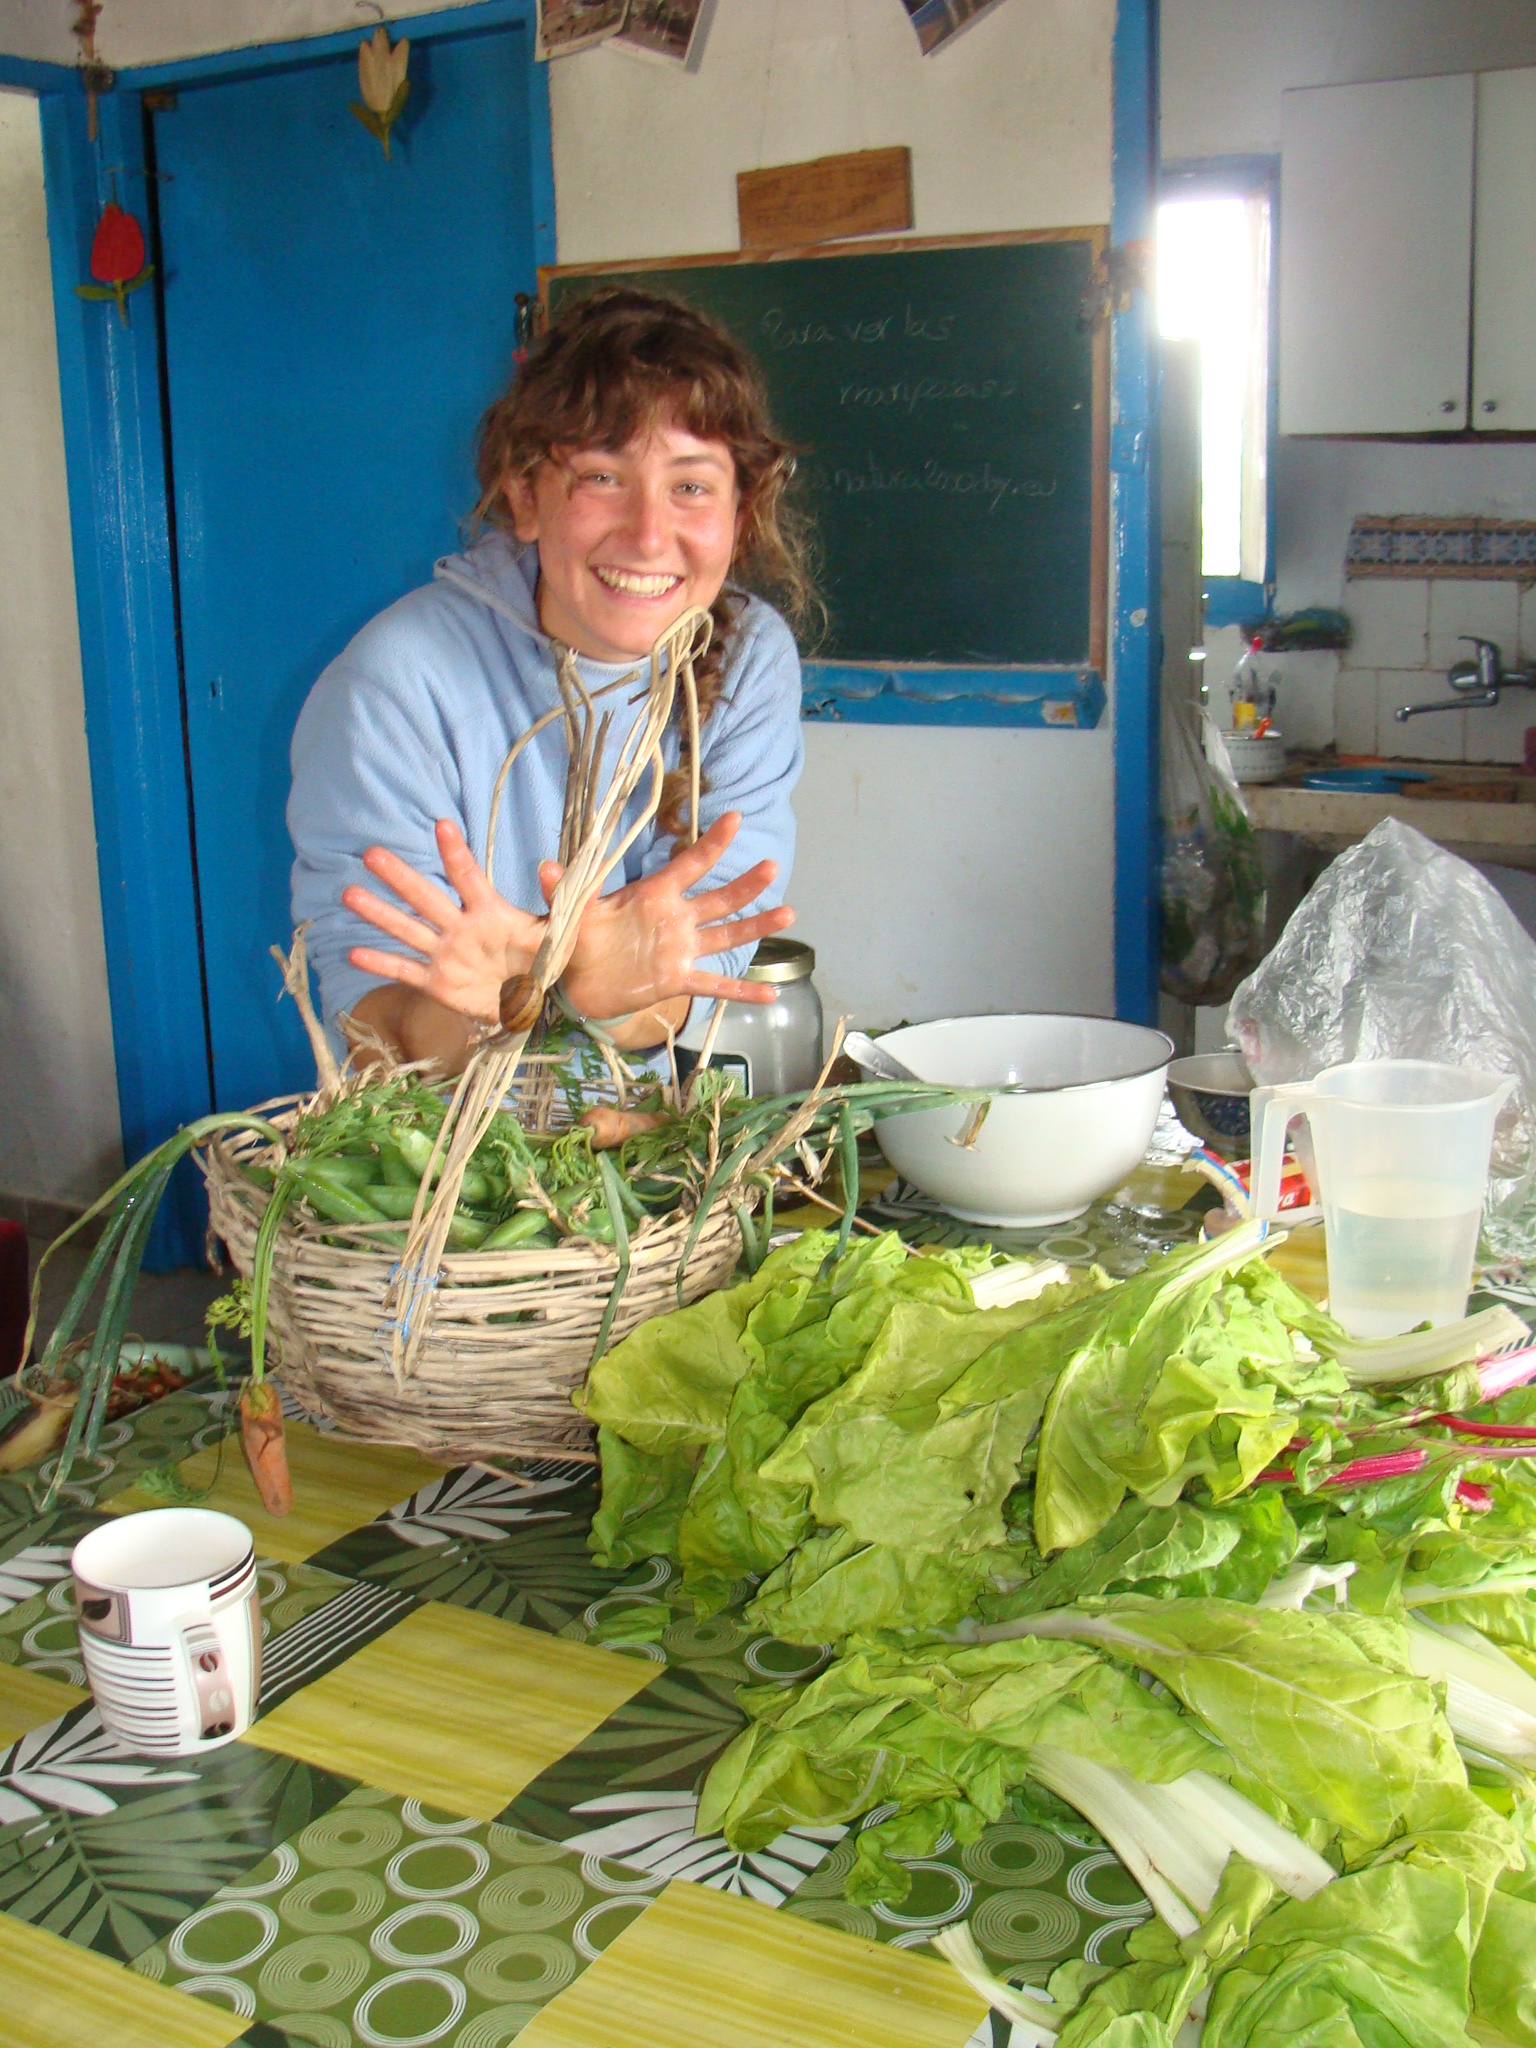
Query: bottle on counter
point(775, 1047)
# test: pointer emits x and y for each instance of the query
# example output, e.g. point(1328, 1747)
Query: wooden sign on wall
point(826, 200)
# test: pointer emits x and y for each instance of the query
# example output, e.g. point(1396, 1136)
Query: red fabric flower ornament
point(117, 259)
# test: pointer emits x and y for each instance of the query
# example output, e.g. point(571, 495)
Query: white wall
point(938, 870)
point(58, 1090)
point(1226, 62)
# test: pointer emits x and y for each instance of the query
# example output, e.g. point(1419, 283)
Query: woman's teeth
point(633, 585)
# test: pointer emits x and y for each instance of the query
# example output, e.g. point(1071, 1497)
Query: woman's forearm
point(649, 1027)
point(415, 1026)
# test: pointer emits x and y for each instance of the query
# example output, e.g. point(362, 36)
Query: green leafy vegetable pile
point(1256, 1599)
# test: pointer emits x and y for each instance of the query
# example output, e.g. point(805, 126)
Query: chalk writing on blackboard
point(781, 330)
point(986, 484)
point(907, 395)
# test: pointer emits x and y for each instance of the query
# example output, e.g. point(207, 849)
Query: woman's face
point(629, 538)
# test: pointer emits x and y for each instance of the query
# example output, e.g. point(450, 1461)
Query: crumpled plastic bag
point(1212, 884)
point(1401, 951)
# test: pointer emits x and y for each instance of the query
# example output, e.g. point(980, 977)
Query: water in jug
point(1401, 1150)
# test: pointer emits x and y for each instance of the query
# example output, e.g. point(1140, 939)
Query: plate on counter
point(1364, 781)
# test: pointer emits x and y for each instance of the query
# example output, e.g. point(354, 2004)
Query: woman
point(627, 473)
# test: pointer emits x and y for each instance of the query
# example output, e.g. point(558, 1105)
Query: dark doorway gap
point(167, 102)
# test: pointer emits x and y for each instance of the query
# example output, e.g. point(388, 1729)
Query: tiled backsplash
point(1407, 632)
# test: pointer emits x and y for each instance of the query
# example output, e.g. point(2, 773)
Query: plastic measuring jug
point(1401, 1149)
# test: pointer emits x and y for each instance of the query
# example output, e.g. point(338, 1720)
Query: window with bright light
point(1213, 288)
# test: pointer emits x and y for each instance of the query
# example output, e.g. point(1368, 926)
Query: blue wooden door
point(334, 325)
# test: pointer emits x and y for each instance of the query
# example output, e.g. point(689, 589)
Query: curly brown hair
point(608, 367)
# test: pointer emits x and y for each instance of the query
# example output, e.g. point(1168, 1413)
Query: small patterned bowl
point(1210, 1093)
point(1255, 757)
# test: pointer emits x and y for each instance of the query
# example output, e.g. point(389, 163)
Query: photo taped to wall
point(670, 29)
point(569, 25)
point(937, 21)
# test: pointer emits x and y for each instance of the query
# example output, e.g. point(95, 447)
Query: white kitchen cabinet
point(1503, 344)
point(1376, 220)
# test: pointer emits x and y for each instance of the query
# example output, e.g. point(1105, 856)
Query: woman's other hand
point(638, 949)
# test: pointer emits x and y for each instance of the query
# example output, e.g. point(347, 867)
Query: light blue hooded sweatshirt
point(411, 722)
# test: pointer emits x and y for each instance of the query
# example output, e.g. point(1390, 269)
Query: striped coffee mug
point(170, 1628)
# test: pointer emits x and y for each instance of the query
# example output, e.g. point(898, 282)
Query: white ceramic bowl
point(1089, 1093)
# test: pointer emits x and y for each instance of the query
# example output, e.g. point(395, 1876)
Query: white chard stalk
point(1490, 1701)
point(1249, 1831)
point(1033, 2025)
point(1175, 1838)
point(1381, 1361)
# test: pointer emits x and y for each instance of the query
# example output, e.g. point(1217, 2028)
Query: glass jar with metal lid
point(775, 1047)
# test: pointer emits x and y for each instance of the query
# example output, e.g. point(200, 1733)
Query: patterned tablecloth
point(458, 1818)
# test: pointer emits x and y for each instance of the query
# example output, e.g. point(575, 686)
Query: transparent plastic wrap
point(1402, 951)
point(1212, 883)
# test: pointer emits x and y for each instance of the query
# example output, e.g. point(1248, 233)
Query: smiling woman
point(628, 474)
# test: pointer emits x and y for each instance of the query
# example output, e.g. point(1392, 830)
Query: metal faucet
point(1477, 678)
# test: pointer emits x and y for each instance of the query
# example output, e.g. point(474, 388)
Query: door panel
point(1503, 360)
point(1375, 256)
point(334, 326)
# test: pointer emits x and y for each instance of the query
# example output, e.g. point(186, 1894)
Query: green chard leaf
point(1378, 1959)
point(644, 1494)
point(1129, 1410)
point(669, 1384)
point(802, 1340)
point(1321, 1708)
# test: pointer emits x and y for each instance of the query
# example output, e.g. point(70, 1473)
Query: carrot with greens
point(264, 1444)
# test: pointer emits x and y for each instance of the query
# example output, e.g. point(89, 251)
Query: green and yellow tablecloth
point(458, 1819)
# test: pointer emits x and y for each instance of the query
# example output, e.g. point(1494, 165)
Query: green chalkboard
point(947, 402)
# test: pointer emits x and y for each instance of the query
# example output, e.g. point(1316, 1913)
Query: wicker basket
point(483, 1386)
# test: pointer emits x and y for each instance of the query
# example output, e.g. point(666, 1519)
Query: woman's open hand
point(639, 948)
point(466, 949)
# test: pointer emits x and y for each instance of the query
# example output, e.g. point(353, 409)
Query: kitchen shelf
point(1332, 820)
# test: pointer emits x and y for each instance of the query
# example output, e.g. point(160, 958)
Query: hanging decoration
point(117, 259)
point(383, 83)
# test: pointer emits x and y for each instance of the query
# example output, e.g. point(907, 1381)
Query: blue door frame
point(1135, 525)
point(124, 576)
point(109, 377)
